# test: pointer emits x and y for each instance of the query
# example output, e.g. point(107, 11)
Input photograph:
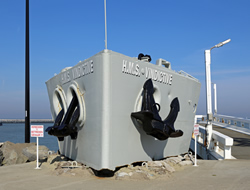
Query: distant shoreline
point(22, 121)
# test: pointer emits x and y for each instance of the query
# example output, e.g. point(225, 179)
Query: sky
point(63, 32)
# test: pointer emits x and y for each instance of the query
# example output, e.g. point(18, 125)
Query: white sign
point(37, 131)
point(196, 129)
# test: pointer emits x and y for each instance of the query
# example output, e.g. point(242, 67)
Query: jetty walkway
point(241, 145)
point(22, 120)
point(233, 128)
point(241, 139)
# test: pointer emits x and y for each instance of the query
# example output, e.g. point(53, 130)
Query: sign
point(37, 131)
point(196, 129)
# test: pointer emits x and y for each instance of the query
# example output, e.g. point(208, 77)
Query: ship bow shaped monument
point(112, 110)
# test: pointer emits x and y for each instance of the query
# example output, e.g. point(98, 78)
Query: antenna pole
point(105, 13)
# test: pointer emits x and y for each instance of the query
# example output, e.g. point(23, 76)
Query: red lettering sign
point(37, 131)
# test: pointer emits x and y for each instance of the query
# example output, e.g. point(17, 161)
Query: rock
point(12, 157)
point(140, 174)
point(1, 157)
point(174, 160)
point(189, 157)
point(122, 174)
point(20, 153)
point(155, 164)
point(185, 163)
point(31, 153)
point(12, 153)
point(167, 167)
point(160, 166)
point(52, 158)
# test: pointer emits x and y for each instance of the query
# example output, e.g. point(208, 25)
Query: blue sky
point(63, 32)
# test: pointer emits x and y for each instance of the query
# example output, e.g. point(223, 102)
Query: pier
point(241, 144)
point(230, 138)
point(22, 121)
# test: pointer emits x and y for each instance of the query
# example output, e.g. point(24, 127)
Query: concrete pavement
point(210, 174)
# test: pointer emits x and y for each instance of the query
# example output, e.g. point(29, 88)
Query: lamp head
point(222, 43)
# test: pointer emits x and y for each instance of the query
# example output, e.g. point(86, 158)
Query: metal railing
point(233, 123)
point(236, 121)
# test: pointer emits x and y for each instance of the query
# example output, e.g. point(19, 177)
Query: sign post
point(37, 131)
point(196, 132)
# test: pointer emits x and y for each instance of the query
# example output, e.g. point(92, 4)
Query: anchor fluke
point(66, 126)
point(170, 120)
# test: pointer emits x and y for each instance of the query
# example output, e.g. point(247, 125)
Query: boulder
point(20, 153)
point(173, 160)
point(1, 157)
point(12, 153)
point(30, 152)
point(185, 163)
point(52, 158)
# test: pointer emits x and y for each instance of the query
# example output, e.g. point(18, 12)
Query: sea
point(15, 132)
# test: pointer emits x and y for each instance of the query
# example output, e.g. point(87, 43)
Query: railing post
point(227, 152)
point(216, 146)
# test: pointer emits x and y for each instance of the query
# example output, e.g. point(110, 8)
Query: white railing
point(225, 141)
point(230, 120)
point(221, 143)
point(236, 121)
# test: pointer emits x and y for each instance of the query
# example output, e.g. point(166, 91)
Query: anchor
point(149, 115)
point(66, 126)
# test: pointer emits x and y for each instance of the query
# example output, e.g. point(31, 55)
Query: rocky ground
point(59, 165)
point(11, 153)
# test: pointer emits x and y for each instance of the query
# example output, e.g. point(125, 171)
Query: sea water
point(15, 132)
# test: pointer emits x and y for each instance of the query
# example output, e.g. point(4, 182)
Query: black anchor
point(150, 118)
point(64, 126)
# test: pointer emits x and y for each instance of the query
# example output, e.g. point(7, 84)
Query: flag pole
point(106, 35)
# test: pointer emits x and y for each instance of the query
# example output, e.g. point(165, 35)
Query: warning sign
point(37, 131)
point(196, 129)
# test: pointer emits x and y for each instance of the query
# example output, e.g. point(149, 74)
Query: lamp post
point(215, 99)
point(209, 128)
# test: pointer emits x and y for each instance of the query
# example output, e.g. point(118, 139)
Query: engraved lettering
point(159, 76)
point(78, 71)
point(130, 68)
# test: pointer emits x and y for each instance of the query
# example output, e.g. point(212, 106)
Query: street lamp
point(215, 99)
point(209, 128)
